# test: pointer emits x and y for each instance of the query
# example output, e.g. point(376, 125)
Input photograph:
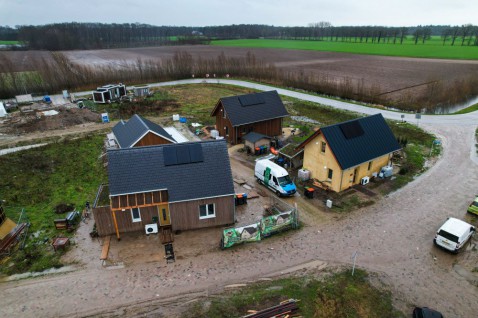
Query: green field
point(432, 48)
point(3, 42)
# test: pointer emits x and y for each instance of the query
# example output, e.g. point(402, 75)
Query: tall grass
point(60, 73)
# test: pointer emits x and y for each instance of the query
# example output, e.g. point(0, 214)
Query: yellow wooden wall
point(319, 163)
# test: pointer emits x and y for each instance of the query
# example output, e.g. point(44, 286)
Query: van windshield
point(285, 180)
point(448, 236)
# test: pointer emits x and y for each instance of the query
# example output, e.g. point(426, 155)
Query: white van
point(453, 234)
point(275, 177)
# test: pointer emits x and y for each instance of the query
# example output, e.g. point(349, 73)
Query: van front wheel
point(278, 193)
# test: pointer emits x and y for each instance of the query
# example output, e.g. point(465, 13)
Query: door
point(164, 217)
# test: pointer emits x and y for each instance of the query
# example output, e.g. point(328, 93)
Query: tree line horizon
point(71, 36)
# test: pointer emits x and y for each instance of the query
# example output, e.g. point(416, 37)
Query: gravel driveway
point(393, 237)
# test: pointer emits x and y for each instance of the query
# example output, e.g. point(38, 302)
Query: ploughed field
point(394, 77)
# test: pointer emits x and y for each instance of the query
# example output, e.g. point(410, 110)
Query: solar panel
point(195, 153)
point(351, 129)
point(170, 157)
point(252, 99)
point(182, 153)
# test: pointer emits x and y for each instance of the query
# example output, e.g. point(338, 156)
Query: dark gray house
point(139, 131)
point(237, 116)
point(184, 186)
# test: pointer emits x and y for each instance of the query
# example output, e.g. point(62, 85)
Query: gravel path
point(393, 237)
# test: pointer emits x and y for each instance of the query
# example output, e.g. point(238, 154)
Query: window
point(223, 113)
point(331, 173)
point(227, 130)
point(369, 165)
point(135, 215)
point(207, 211)
point(322, 148)
point(285, 180)
point(275, 180)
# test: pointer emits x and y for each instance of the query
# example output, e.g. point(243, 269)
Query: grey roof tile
point(375, 141)
point(142, 169)
point(272, 107)
point(127, 133)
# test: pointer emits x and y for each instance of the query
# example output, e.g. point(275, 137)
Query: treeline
point(60, 73)
point(70, 36)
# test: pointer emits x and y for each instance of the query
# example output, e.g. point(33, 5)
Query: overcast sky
point(226, 12)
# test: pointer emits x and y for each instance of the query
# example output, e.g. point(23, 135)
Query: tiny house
point(182, 186)
point(109, 93)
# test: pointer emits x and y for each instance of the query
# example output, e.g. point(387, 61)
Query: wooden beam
point(138, 206)
point(116, 224)
point(106, 248)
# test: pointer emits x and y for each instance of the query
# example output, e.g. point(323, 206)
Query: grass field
point(339, 295)
point(3, 42)
point(38, 180)
point(431, 49)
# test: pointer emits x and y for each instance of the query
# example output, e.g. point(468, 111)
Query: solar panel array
point(182, 154)
point(351, 129)
point(252, 99)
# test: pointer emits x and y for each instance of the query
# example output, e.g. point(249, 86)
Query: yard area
point(68, 170)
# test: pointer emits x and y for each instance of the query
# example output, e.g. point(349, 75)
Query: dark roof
point(128, 133)
point(143, 169)
point(254, 137)
point(252, 108)
point(360, 140)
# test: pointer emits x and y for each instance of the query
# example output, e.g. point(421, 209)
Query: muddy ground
point(394, 77)
point(393, 238)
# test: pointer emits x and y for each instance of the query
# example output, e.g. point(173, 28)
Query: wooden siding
point(185, 215)
point(104, 221)
point(105, 224)
point(271, 128)
point(221, 123)
point(151, 139)
point(138, 200)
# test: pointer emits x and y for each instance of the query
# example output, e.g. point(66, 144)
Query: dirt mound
point(36, 121)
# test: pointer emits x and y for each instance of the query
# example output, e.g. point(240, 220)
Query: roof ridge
point(142, 121)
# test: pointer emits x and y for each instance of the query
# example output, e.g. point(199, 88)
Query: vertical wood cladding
point(271, 127)
point(185, 215)
point(151, 139)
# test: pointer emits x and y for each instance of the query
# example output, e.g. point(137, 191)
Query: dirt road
point(393, 237)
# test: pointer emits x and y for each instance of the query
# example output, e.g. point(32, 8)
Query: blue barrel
point(182, 120)
point(244, 196)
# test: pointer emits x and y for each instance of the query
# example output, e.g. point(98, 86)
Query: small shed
point(253, 140)
point(290, 155)
point(142, 90)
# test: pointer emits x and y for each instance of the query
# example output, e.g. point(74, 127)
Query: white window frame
point(207, 216)
point(135, 220)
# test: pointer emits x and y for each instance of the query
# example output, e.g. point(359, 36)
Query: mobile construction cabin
point(109, 93)
point(3, 112)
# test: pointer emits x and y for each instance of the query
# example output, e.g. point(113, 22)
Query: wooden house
point(183, 186)
point(340, 155)
point(139, 131)
point(237, 116)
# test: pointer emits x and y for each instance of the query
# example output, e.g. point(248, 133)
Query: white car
point(453, 234)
